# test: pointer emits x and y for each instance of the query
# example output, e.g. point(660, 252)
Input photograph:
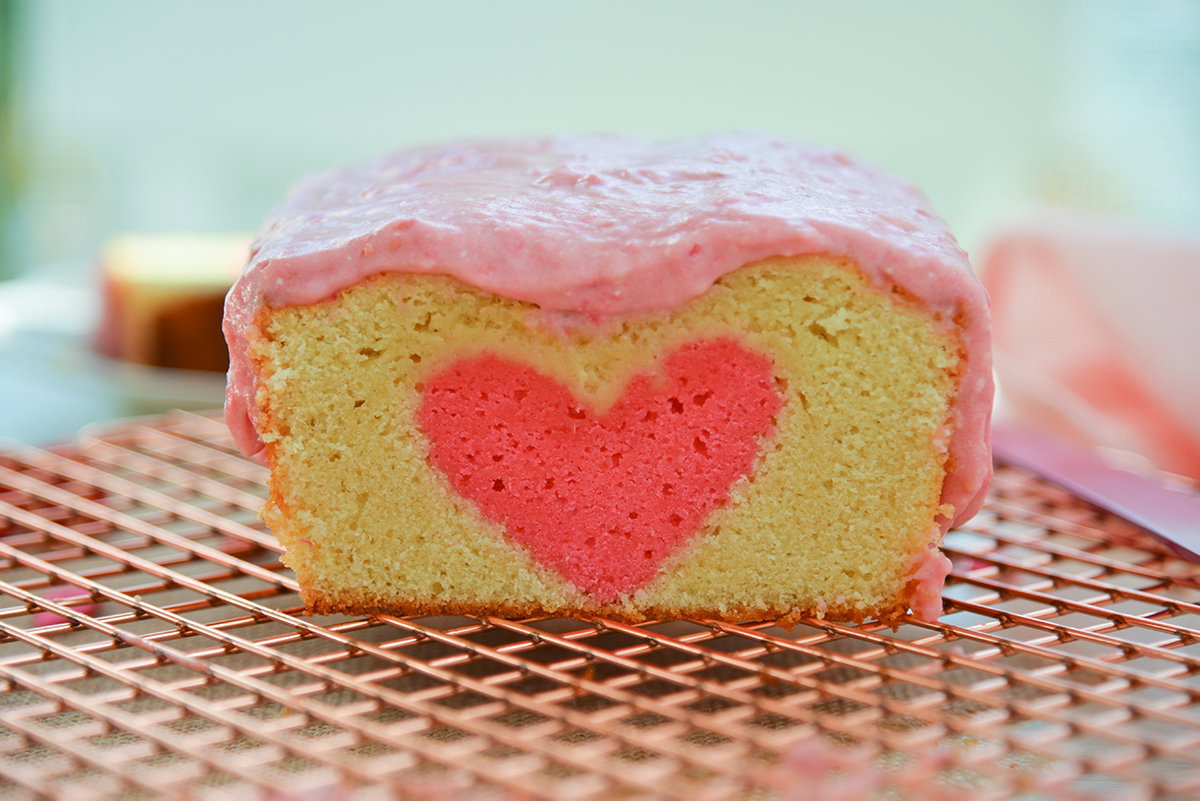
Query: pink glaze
point(931, 568)
point(603, 226)
point(602, 499)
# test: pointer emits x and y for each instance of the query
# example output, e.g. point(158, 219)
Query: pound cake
point(164, 298)
point(733, 377)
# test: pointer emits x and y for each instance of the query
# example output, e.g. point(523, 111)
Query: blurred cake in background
point(163, 298)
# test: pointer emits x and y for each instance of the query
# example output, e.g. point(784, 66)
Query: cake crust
point(786, 617)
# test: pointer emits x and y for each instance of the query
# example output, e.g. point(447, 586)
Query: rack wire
point(152, 645)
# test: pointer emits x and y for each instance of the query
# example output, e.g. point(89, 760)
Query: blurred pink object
point(1097, 334)
point(64, 593)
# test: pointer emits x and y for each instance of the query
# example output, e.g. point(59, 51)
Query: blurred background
point(139, 116)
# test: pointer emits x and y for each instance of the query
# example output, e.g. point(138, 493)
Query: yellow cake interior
point(846, 490)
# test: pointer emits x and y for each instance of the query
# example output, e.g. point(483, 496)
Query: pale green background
point(142, 115)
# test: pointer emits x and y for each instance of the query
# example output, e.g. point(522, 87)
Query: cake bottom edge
point(786, 617)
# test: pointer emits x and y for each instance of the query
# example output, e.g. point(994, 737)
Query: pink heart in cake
point(602, 499)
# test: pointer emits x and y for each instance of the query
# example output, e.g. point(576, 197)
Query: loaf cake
point(733, 377)
point(164, 298)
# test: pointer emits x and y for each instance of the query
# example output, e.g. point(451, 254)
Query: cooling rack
point(152, 645)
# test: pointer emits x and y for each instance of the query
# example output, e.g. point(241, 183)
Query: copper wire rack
point(152, 645)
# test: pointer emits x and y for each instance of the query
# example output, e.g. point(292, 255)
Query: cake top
point(600, 226)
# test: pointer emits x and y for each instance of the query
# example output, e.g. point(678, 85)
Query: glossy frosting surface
point(602, 226)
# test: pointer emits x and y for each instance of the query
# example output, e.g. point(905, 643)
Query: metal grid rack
point(152, 645)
